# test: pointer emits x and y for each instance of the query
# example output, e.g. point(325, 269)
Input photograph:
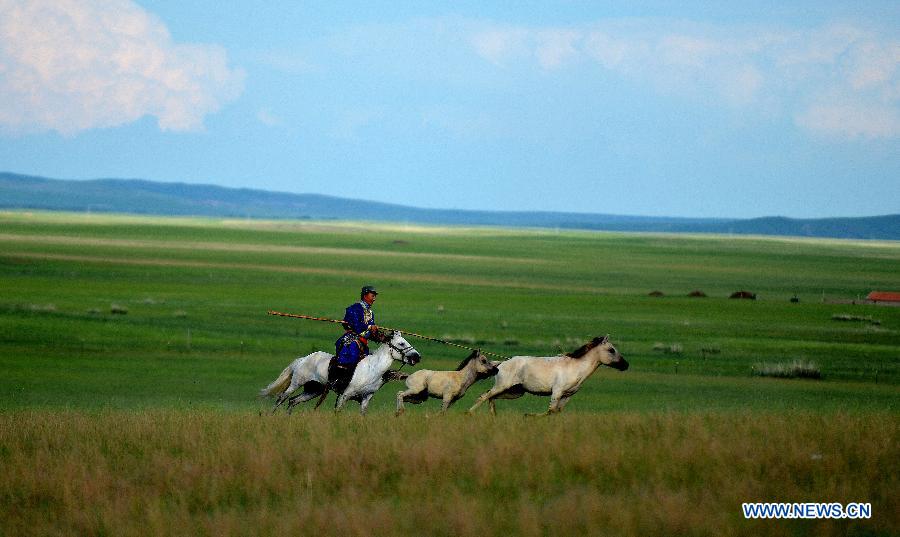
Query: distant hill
point(149, 197)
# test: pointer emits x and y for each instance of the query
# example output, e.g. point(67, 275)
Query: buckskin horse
point(557, 376)
point(448, 386)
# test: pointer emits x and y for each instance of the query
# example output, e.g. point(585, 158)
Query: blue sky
point(708, 109)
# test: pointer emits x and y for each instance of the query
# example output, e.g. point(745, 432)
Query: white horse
point(448, 386)
point(311, 372)
point(557, 376)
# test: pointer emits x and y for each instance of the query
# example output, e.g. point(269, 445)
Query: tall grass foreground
point(218, 473)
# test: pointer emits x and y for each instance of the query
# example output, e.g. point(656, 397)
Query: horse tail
point(278, 385)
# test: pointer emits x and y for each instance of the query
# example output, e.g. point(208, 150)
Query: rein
point(450, 343)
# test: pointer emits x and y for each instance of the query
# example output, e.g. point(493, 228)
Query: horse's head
point(401, 350)
point(609, 356)
point(495, 368)
point(483, 367)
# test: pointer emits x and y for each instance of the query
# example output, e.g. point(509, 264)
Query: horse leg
point(339, 403)
point(278, 401)
point(364, 404)
point(447, 401)
point(486, 396)
point(555, 397)
point(302, 398)
point(400, 395)
point(481, 399)
point(562, 403)
point(286, 393)
point(493, 407)
point(321, 399)
point(282, 397)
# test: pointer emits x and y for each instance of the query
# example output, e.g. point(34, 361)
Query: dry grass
point(802, 369)
point(216, 473)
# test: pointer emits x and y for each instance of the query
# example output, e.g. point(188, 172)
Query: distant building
point(887, 297)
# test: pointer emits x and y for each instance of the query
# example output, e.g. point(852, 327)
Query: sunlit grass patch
point(796, 369)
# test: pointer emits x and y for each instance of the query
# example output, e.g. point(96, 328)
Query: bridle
point(404, 357)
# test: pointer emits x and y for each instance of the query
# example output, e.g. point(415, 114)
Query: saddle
point(340, 374)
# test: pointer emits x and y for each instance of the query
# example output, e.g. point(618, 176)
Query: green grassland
point(196, 293)
point(148, 421)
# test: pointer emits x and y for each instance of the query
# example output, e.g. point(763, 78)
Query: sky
point(693, 109)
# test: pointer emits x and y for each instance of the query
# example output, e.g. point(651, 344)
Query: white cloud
point(851, 120)
point(555, 47)
point(612, 52)
point(70, 65)
point(459, 122)
point(687, 51)
point(267, 118)
point(352, 120)
point(741, 85)
point(499, 44)
point(289, 62)
point(874, 64)
point(798, 71)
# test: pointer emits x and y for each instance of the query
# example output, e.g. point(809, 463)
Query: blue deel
point(360, 316)
point(348, 349)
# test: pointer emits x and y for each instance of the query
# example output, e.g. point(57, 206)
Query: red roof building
point(884, 296)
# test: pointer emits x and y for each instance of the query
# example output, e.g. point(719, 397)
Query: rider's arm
point(355, 318)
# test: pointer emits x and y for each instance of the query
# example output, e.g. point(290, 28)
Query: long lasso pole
point(407, 332)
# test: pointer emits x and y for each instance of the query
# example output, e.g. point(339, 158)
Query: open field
point(150, 414)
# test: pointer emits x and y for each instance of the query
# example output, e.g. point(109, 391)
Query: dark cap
point(367, 289)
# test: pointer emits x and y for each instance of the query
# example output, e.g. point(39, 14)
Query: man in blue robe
point(353, 346)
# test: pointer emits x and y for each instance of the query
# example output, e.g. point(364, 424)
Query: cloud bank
point(839, 80)
point(73, 65)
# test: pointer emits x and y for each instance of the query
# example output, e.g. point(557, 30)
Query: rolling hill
point(148, 197)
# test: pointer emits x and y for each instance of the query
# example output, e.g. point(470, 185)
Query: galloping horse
point(446, 385)
point(557, 376)
point(311, 372)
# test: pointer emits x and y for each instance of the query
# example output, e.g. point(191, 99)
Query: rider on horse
point(353, 346)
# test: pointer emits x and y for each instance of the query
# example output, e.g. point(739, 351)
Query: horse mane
point(467, 360)
point(581, 351)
